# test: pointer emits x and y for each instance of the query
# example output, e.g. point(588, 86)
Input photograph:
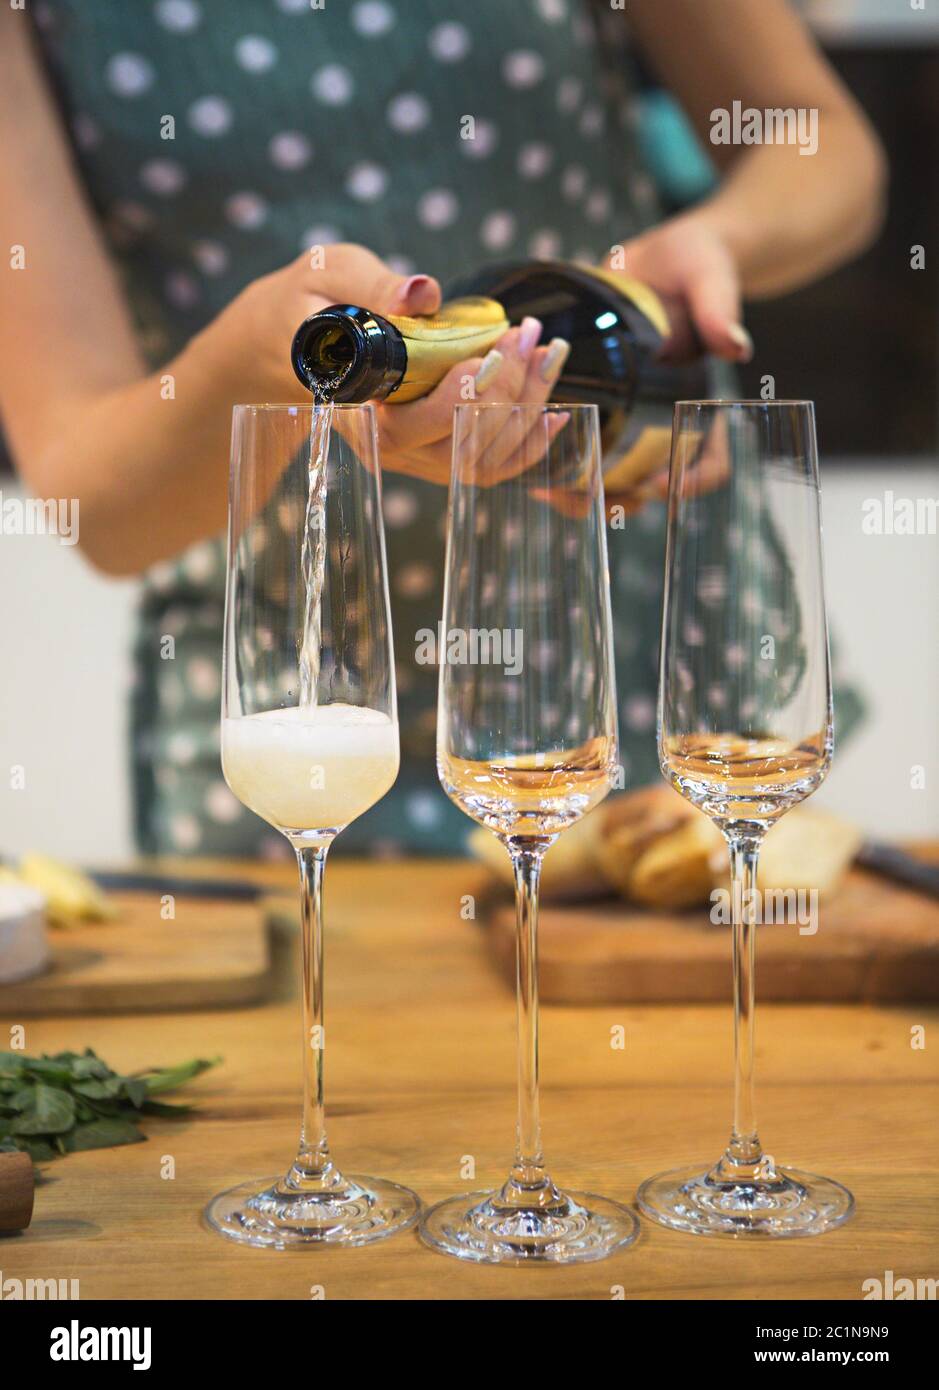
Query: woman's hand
point(250, 341)
point(251, 338)
point(688, 262)
point(416, 438)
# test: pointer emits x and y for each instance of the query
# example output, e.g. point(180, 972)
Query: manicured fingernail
point(528, 334)
point(739, 335)
point(555, 356)
point(488, 371)
point(411, 289)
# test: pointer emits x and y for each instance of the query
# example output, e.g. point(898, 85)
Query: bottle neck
point(349, 355)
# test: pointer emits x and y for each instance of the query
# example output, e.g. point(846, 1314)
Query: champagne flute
point(309, 740)
point(527, 745)
point(745, 733)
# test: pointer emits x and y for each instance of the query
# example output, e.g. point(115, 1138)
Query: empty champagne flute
point(745, 733)
point(309, 740)
point(527, 745)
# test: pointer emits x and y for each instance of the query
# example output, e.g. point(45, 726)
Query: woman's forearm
point(784, 216)
point(148, 462)
point(789, 217)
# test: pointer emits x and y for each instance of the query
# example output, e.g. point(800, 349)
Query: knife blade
point(891, 862)
point(221, 889)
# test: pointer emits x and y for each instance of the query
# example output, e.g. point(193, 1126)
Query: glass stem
point(744, 1147)
point(313, 1169)
point(528, 1182)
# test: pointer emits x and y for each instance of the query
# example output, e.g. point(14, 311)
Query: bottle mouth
point(325, 350)
point(333, 346)
point(348, 355)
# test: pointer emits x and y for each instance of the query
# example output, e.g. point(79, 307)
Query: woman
point(163, 166)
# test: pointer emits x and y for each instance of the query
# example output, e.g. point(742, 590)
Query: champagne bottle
point(618, 329)
point(349, 354)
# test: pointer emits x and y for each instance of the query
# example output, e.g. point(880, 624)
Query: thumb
point(355, 275)
point(413, 294)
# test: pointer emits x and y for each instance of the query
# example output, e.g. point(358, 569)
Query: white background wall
point(871, 21)
point(65, 635)
point(883, 599)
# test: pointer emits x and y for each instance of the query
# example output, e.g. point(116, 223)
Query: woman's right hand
point(147, 451)
point(250, 347)
point(250, 340)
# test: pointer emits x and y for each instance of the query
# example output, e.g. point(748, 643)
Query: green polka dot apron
point(295, 126)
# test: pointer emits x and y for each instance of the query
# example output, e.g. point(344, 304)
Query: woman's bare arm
point(786, 217)
point(84, 417)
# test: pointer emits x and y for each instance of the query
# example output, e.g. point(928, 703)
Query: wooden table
point(421, 1073)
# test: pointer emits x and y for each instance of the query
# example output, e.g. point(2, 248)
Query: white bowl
point(24, 949)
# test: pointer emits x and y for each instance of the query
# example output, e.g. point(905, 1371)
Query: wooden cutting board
point(212, 954)
point(875, 941)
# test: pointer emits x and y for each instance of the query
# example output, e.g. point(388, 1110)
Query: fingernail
point(411, 287)
point(555, 357)
point(488, 371)
point(739, 335)
point(528, 334)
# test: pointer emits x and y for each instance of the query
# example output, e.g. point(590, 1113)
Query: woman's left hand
point(689, 264)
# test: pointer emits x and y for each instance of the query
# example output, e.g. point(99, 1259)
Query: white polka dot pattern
point(210, 116)
point(129, 74)
point(86, 130)
point(535, 159)
point(221, 805)
point(408, 112)
point(372, 18)
point(290, 149)
point(497, 230)
point(211, 257)
point(523, 69)
point(332, 85)
point(484, 139)
point(449, 42)
point(319, 236)
point(180, 16)
point(366, 182)
point(255, 53)
point(163, 177)
point(438, 208)
point(246, 210)
point(186, 832)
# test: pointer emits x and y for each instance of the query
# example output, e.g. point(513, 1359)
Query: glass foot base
point(264, 1213)
point(579, 1226)
point(784, 1202)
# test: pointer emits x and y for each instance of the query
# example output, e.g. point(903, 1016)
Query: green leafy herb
point(57, 1105)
